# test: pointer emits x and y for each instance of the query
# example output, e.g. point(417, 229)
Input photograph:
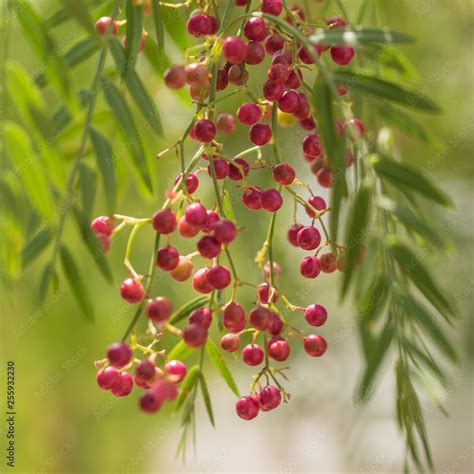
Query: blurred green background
point(66, 424)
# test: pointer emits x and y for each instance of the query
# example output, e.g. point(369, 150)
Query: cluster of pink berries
point(103, 24)
point(185, 215)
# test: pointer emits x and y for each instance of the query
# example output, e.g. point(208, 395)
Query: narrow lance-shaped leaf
point(402, 175)
point(227, 206)
point(87, 184)
point(186, 309)
point(181, 351)
point(159, 30)
point(218, 361)
point(412, 266)
point(75, 282)
point(137, 90)
point(186, 386)
point(207, 398)
point(79, 9)
point(127, 125)
point(386, 90)
point(134, 34)
point(33, 249)
point(105, 164)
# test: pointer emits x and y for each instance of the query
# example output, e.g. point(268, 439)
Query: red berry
point(185, 229)
point(159, 309)
point(260, 318)
point(205, 130)
point(263, 292)
point(302, 111)
point(197, 74)
point(233, 317)
point(342, 90)
point(214, 25)
point(293, 234)
point(273, 43)
point(255, 29)
point(132, 291)
point(276, 270)
point(273, 90)
point(357, 125)
point(199, 25)
point(252, 198)
point(308, 238)
point(103, 225)
point(165, 389)
point(209, 247)
point(335, 22)
point(279, 350)
point(164, 221)
point(224, 231)
point(191, 183)
point(255, 53)
point(150, 402)
point(175, 77)
point(219, 277)
point(141, 47)
point(102, 24)
point(317, 202)
point(201, 316)
point(237, 173)
point(176, 370)
point(269, 398)
point(234, 49)
point(123, 386)
point(222, 79)
point(342, 55)
point(308, 124)
point(119, 354)
point(145, 370)
point(200, 282)
point(310, 267)
point(289, 102)
point(325, 177)
point(294, 80)
point(272, 200)
point(196, 214)
point(276, 326)
point(260, 134)
point(306, 57)
point(241, 3)
point(221, 168)
point(278, 73)
point(283, 57)
point(212, 218)
point(312, 145)
point(247, 408)
point(230, 342)
point(194, 335)
point(225, 123)
point(272, 7)
point(183, 270)
point(314, 345)
point(328, 262)
point(252, 354)
point(249, 113)
point(237, 75)
point(107, 378)
point(316, 315)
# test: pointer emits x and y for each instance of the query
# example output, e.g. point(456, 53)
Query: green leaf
point(106, 166)
point(187, 308)
point(419, 356)
point(227, 206)
point(385, 90)
point(412, 266)
point(186, 386)
point(92, 243)
point(357, 229)
point(377, 355)
point(218, 362)
point(334, 150)
point(134, 34)
point(181, 351)
point(420, 314)
point(137, 90)
point(226, 17)
point(76, 284)
point(33, 249)
point(159, 31)
point(81, 12)
point(130, 133)
point(47, 282)
point(207, 398)
point(359, 35)
point(402, 175)
point(87, 184)
point(407, 124)
point(28, 168)
point(372, 302)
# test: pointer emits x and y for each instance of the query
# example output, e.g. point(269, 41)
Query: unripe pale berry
point(201, 316)
point(260, 318)
point(107, 378)
point(224, 231)
point(209, 247)
point(225, 123)
point(272, 200)
point(196, 214)
point(308, 238)
point(205, 130)
point(252, 354)
point(279, 350)
point(237, 173)
point(119, 354)
point(159, 309)
point(132, 291)
point(252, 198)
point(194, 335)
point(200, 282)
point(276, 269)
point(183, 270)
point(247, 408)
point(316, 315)
point(249, 113)
point(310, 267)
point(176, 370)
point(293, 234)
point(314, 345)
point(123, 386)
point(260, 134)
point(175, 77)
point(269, 398)
point(234, 49)
point(164, 221)
point(230, 342)
point(328, 262)
point(219, 277)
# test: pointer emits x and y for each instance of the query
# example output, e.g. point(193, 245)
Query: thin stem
point(276, 150)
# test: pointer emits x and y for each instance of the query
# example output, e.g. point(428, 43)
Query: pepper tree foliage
point(378, 203)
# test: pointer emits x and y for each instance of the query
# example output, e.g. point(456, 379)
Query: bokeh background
point(66, 424)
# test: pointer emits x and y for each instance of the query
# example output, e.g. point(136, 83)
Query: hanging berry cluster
point(221, 60)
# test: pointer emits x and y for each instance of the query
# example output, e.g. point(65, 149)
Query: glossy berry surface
point(119, 354)
point(247, 408)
